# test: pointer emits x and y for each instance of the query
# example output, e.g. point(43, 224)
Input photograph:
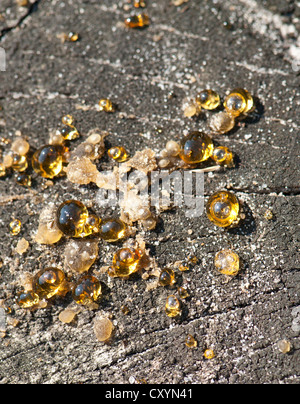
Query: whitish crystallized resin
point(103, 328)
point(20, 146)
point(284, 346)
point(227, 262)
point(48, 231)
point(221, 123)
point(80, 255)
point(67, 315)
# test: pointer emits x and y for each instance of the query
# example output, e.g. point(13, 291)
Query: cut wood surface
point(221, 44)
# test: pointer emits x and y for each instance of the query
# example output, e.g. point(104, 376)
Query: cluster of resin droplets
point(73, 220)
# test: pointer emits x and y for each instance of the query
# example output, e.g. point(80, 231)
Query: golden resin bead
point(196, 147)
point(69, 133)
point(173, 306)
point(92, 225)
point(19, 163)
point(48, 161)
point(2, 170)
point(23, 179)
point(68, 120)
point(221, 123)
point(86, 290)
point(106, 105)
point(227, 262)
point(71, 218)
point(190, 107)
point(48, 282)
point(208, 99)
point(223, 156)
point(27, 299)
point(112, 230)
point(190, 341)
point(72, 37)
point(209, 353)
point(223, 209)
point(137, 21)
point(125, 262)
point(167, 277)
point(238, 102)
point(15, 227)
point(118, 153)
point(139, 4)
point(182, 292)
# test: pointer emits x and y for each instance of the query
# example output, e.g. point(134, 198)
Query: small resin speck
point(15, 227)
point(173, 306)
point(103, 329)
point(190, 341)
point(167, 277)
point(209, 353)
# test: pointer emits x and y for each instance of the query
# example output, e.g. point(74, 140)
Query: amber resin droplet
point(238, 102)
point(86, 290)
point(172, 307)
point(112, 229)
point(23, 179)
point(15, 227)
point(139, 3)
point(223, 156)
point(223, 209)
point(209, 353)
point(167, 277)
point(190, 341)
point(69, 133)
point(125, 262)
point(27, 299)
point(137, 21)
point(196, 147)
point(48, 161)
point(19, 163)
point(48, 282)
point(72, 37)
point(106, 105)
point(71, 218)
point(118, 153)
point(227, 262)
point(208, 99)
point(68, 120)
point(182, 292)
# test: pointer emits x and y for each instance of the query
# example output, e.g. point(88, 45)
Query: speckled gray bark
point(241, 319)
